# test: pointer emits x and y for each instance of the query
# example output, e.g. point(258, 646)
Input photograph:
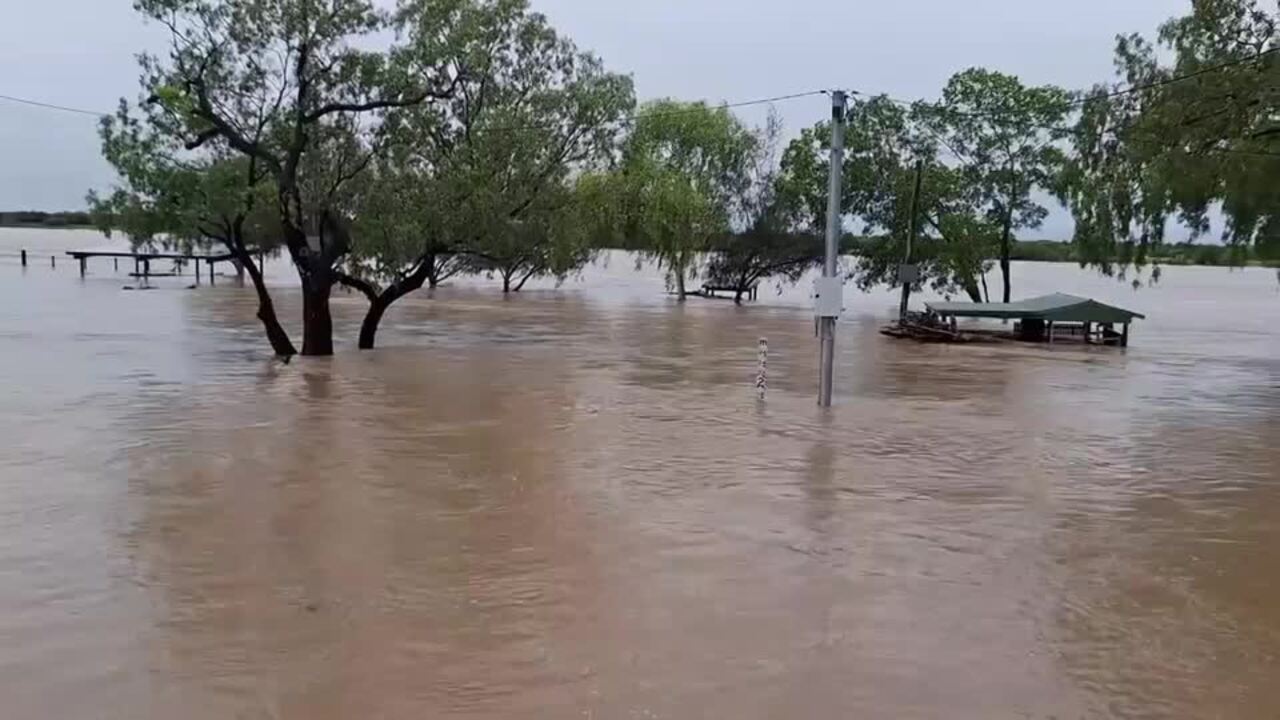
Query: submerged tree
point(481, 181)
point(1181, 139)
point(683, 167)
point(168, 198)
point(763, 244)
point(1006, 136)
point(288, 85)
point(884, 144)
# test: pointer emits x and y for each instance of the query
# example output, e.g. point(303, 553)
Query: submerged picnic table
point(142, 260)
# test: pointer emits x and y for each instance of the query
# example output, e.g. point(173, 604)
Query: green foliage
point(550, 239)
point(302, 90)
point(479, 182)
point(884, 142)
point(766, 251)
point(1181, 148)
point(684, 171)
point(766, 248)
point(1006, 136)
point(176, 200)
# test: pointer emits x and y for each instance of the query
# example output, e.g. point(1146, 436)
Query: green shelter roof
point(1054, 308)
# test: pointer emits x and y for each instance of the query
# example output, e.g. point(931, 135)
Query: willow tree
point(479, 182)
point(285, 84)
point(1006, 136)
point(1182, 138)
point(683, 167)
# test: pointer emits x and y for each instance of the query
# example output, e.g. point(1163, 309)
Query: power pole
point(829, 295)
point(907, 274)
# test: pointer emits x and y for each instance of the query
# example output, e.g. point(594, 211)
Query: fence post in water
point(762, 374)
point(211, 280)
point(53, 261)
point(24, 258)
point(115, 264)
point(84, 262)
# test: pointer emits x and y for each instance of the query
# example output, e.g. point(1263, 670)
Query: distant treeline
point(35, 218)
point(1184, 253)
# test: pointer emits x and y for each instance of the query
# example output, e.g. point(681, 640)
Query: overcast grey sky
point(81, 53)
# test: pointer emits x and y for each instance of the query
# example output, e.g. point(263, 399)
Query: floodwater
point(571, 504)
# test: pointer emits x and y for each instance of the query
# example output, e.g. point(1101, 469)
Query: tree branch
point(355, 283)
point(383, 104)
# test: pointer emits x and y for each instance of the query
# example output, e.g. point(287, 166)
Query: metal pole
point(905, 275)
point(24, 258)
point(830, 268)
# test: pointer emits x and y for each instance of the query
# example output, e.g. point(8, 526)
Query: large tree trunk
point(369, 328)
point(276, 334)
point(681, 294)
point(379, 302)
point(317, 322)
point(970, 285)
point(506, 283)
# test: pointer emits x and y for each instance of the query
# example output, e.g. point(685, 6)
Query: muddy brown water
point(571, 504)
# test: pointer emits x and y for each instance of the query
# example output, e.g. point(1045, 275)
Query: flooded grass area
point(570, 503)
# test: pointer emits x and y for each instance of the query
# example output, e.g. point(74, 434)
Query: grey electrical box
point(828, 297)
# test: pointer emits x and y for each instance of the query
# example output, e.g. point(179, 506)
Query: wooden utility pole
point(906, 274)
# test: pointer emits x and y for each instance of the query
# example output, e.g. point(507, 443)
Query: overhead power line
point(633, 116)
point(1179, 78)
point(51, 106)
point(1092, 98)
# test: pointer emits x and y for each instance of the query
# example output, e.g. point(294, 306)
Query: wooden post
point(211, 281)
point(1088, 333)
point(24, 258)
point(84, 261)
point(1124, 339)
point(115, 264)
point(197, 263)
point(1050, 332)
point(53, 261)
point(146, 268)
point(137, 265)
